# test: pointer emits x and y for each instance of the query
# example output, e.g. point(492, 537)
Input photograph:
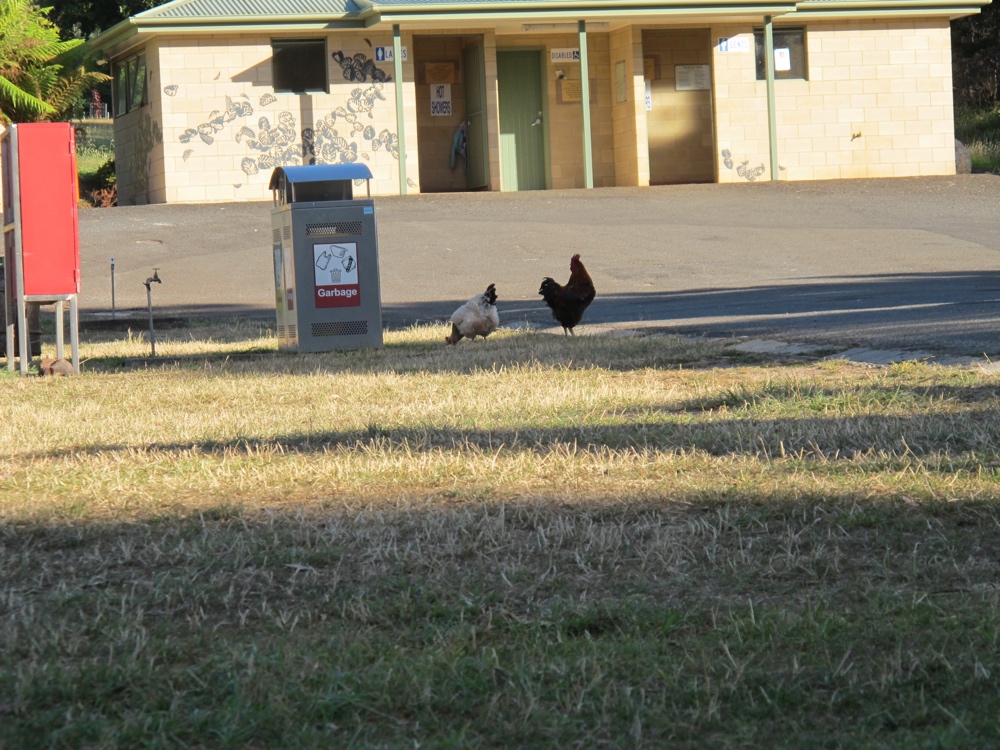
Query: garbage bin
point(326, 276)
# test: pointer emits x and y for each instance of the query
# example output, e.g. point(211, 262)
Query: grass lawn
point(532, 541)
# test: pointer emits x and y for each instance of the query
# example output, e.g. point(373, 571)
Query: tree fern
point(35, 82)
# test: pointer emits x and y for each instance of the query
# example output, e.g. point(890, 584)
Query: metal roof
point(245, 8)
point(320, 173)
point(183, 16)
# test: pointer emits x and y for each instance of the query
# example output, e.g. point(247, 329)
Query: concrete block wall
point(225, 129)
point(681, 135)
point(139, 164)
point(631, 136)
point(877, 103)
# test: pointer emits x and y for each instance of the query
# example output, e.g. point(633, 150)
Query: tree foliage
point(85, 18)
point(41, 76)
point(975, 50)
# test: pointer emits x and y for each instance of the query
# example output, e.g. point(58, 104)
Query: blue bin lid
point(320, 173)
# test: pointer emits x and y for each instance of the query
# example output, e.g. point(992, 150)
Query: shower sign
point(440, 99)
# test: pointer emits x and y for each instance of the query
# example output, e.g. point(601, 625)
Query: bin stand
point(22, 322)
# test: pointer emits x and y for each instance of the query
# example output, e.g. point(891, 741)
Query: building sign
point(692, 77)
point(439, 72)
point(565, 55)
point(570, 91)
point(336, 274)
point(782, 59)
point(734, 44)
point(441, 100)
point(385, 54)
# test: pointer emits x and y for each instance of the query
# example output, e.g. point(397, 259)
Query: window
point(130, 84)
point(789, 54)
point(298, 65)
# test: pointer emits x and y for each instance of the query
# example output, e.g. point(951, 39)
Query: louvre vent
point(277, 236)
point(344, 328)
point(330, 230)
point(280, 332)
point(293, 332)
point(286, 232)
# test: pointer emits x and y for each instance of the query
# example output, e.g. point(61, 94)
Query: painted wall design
point(744, 170)
point(340, 136)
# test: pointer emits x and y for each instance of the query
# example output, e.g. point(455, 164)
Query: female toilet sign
point(336, 273)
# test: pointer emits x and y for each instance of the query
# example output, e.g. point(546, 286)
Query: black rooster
point(568, 302)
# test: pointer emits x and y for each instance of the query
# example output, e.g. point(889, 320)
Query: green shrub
point(979, 130)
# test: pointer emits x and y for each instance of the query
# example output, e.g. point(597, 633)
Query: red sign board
point(47, 193)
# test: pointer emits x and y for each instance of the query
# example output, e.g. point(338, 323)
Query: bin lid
point(319, 173)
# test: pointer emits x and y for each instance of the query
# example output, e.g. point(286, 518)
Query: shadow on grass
point(949, 437)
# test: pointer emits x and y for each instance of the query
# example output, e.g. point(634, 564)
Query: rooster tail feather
point(491, 294)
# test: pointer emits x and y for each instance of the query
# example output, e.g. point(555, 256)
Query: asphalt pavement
point(892, 264)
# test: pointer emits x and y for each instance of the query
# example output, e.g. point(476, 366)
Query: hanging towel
point(458, 144)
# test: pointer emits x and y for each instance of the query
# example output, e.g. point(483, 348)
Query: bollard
point(149, 303)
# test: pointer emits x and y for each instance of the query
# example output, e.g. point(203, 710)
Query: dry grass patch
point(529, 541)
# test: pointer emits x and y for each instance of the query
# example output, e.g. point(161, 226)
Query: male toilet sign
point(336, 274)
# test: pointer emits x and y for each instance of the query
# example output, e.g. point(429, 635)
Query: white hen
point(477, 317)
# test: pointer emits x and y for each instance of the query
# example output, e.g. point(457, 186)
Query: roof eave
point(918, 11)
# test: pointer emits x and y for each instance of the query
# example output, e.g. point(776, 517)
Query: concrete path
point(889, 265)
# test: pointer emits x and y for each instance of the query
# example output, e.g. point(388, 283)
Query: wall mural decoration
point(748, 173)
point(218, 119)
point(359, 67)
point(277, 141)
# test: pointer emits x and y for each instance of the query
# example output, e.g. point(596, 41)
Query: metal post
point(149, 304)
point(60, 343)
point(112, 288)
point(588, 150)
point(74, 332)
point(397, 70)
point(772, 122)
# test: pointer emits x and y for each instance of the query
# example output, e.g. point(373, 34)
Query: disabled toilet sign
point(336, 274)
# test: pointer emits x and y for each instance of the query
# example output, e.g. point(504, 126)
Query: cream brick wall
point(681, 136)
point(878, 103)
point(631, 140)
point(139, 163)
point(225, 129)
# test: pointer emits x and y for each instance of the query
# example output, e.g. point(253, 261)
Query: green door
point(475, 112)
point(522, 131)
